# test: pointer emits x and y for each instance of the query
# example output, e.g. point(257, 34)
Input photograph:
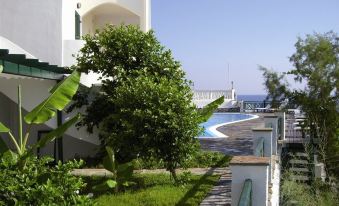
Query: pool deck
point(239, 140)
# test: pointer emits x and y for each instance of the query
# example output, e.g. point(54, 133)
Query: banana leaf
point(206, 112)
point(60, 96)
point(56, 132)
point(3, 128)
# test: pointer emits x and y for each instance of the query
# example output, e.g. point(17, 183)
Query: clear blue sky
point(207, 35)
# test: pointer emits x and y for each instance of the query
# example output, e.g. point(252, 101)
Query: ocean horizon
point(251, 97)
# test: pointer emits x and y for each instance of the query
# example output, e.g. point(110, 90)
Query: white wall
point(258, 175)
point(35, 26)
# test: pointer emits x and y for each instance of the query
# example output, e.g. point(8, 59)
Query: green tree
point(154, 117)
point(276, 86)
point(120, 47)
point(316, 63)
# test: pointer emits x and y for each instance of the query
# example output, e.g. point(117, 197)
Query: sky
point(210, 36)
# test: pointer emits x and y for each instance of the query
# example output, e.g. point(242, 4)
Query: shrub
point(39, 184)
point(200, 159)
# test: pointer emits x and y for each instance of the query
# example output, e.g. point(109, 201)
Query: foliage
point(120, 47)
point(121, 173)
point(60, 96)
point(39, 184)
point(276, 86)
point(158, 189)
point(144, 107)
point(200, 159)
point(206, 112)
point(305, 195)
point(316, 63)
point(154, 118)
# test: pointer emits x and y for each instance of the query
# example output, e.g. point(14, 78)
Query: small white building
point(40, 37)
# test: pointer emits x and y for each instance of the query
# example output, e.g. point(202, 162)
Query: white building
point(37, 39)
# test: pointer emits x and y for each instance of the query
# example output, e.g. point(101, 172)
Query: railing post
point(257, 170)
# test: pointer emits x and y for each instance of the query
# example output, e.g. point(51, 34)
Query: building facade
point(38, 38)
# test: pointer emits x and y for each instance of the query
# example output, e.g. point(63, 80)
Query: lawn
point(158, 189)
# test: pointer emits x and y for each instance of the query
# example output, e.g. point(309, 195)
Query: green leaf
point(125, 171)
point(1, 68)
point(206, 112)
point(3, 128)
point(9, 158)
point(57, 132)
point(60, 96)
point(108, 184)
point(109, 160)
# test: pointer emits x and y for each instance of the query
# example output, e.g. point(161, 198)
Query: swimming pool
point(220, 119)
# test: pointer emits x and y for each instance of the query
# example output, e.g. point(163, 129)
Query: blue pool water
point(220, 118)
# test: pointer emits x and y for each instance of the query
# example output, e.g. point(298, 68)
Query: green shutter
point(77, 25)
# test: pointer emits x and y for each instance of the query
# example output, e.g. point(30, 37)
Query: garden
point(146, 120)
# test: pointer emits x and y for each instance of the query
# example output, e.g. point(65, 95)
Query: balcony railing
point(246, 194)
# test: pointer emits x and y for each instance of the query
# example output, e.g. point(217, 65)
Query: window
point(77, 25)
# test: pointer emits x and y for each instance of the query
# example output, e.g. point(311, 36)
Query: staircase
point(299, 167)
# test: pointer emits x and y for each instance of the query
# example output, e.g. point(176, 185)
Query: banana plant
point(121, 173)
point(60, 96)
point(206, 112)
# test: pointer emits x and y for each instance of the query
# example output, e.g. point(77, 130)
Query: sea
point(251, 97)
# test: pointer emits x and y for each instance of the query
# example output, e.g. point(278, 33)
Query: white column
point(272, 122)
point(265, 133)
point(254, 168)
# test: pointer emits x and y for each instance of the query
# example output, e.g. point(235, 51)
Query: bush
point(200, 159)
point(39, 184)
point(318, 193)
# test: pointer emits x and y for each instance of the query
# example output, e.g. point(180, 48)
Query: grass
point(159, 190)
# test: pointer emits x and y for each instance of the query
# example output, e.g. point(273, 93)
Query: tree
point(120, 47)
point(154, 117)
point(276, 86)
point(316, 63)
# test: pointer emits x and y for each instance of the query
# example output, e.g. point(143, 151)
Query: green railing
point(246, 194)
point(259, 149)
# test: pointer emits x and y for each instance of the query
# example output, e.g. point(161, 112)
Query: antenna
point(228, 75)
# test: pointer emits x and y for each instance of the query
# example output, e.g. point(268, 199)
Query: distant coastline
point(255, 97)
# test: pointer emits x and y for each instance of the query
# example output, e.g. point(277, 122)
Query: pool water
point(221, 118)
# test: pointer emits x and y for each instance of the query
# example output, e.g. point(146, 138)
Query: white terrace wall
point(33, 25)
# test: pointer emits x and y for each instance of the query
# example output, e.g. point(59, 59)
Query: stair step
point(300, 178)
point(295, 161)
point(300, 154)
point(299, 169)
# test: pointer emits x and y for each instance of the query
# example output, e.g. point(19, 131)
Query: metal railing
point(246, 194)
point(212, 94)
point(252, 105)
point(259, 149)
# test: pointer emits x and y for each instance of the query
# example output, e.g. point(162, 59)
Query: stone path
point(221, 192)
